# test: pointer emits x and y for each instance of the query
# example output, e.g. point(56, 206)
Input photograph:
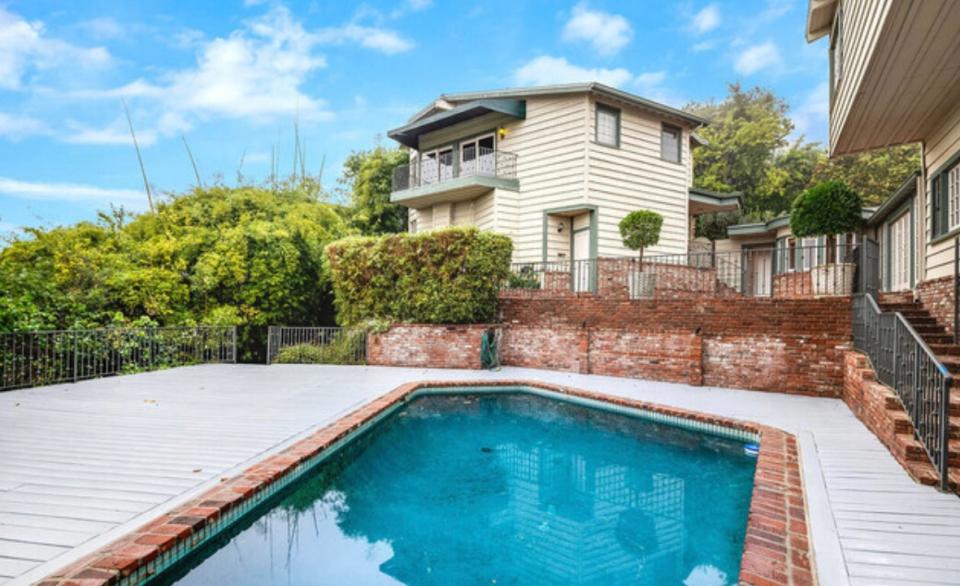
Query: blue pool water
point(499, 489)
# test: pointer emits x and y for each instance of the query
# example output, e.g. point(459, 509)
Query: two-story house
point(895, 79)
point(555, 168)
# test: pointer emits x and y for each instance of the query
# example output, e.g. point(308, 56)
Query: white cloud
point(548, 70)
point(651, 78)
point(608, 33)
point(706, 20)
point(25, 48)
point(378, 39)
point(102, 28)
point(76, 192)
point(419, 4)
point(757, 57)
point(810, 118)
point(17, 127)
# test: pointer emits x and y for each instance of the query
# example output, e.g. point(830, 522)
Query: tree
point(746, 131)
point(640, 229)
point(829, 208)
point(368, 176)
point(875, 175)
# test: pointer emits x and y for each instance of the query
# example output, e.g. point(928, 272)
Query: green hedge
point(450, 275)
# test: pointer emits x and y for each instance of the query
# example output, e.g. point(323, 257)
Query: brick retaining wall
point(427, 345)
point(792, 346)
point(936, 296)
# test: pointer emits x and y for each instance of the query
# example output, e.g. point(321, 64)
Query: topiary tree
point(828, 208)
point(640, 229)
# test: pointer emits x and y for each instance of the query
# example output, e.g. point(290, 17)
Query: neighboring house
point(895, 79)
point(555, 168)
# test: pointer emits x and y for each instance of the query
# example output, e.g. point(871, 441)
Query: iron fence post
point(76, 356)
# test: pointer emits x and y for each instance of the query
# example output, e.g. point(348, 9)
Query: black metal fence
point(786, 271)
point(451, 164)
point(316, 345)
point(47, 357)
point(904, 362)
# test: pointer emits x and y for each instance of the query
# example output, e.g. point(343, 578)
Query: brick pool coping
point(776, 548)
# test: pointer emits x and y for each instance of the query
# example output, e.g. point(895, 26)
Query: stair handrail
point(931, 429)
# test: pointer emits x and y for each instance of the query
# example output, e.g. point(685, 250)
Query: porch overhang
point(703, 201)
point(910, 83)
point(409, 134)
point(457, 189)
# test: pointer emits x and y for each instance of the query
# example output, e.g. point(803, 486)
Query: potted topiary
point(828, 209)
point(640, 229)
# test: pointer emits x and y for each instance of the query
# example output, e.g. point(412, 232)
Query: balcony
point(453, 176)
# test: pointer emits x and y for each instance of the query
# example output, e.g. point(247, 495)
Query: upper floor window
point(608, 126)
point(670, 143)
point(953, 197)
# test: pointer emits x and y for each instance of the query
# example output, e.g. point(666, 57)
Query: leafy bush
point(827, 208)
point(525, 278)
point(640, 229)
point(346, 347)
point(442, 276)
point(714, 226)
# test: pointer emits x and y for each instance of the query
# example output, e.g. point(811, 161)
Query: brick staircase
point(941, 343)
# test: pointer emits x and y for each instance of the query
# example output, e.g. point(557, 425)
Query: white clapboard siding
point(944, 144)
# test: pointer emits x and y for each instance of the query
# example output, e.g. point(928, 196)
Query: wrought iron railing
point(904, 362)
point(448, 165)
point(797, 271)
point(30, 359)
point(316, 345)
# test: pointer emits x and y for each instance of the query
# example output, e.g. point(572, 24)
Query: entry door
point(900, 253)
point(582, 265)
point(760, 270)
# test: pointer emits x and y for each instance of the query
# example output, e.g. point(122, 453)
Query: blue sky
point(232, 76)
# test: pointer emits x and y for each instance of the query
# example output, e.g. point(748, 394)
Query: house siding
point(862, 22)
point(938, 150)
point(550, 150)
point(634, 176)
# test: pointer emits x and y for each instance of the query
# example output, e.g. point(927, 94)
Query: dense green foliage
point(714, 226)
point(749, 150)
point(827, 208)
point(347, 347)
point(441, 276)
point(221, 255)
point(368, 175)
point(640, 229)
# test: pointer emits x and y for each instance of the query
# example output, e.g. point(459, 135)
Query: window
point(945, 200)
point(608, 126)
point(670, 143)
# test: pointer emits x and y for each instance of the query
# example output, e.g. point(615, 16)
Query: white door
point(582, 265)
point(900, 253)
point(761, 268)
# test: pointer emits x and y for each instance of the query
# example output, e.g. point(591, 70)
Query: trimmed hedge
point(449, 275)
point(829, 208)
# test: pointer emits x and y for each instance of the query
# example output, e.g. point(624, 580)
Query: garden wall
point(785, 345)
point(427, 345)
point(936, 295)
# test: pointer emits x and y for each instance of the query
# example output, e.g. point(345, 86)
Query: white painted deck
point(82, 464)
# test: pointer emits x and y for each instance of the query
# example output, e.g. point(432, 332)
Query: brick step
point(952, 363)
point(921, 320)
point(953, 475)
point(901, 307)
point(924, 473)
point(941, 349)
point(954, 427)
point(911, 448)
point(938, 338)
point(929, 329)
point(901, 421)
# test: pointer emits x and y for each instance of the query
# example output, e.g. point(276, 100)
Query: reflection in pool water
point(500, 489)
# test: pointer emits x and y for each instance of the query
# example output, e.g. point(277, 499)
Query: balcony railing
point(449, 165)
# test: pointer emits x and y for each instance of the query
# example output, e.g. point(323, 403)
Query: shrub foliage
point(827, 208)
point(443, 276)
point(640, 229)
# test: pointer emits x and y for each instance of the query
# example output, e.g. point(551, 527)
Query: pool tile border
point(776, 549)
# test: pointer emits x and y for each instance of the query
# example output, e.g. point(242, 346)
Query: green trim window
point(670, 143)
point(945, 200)
point(607, 126)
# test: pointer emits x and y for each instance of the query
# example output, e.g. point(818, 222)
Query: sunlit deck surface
point(82, 464)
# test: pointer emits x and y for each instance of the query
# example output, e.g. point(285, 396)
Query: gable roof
point(570, 88)
point(409, 134)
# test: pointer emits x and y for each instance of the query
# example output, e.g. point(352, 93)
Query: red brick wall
point(936, 296)
point(792, 346)
point(435, 346)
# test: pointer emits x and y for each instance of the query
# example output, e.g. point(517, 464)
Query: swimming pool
point(504, 486)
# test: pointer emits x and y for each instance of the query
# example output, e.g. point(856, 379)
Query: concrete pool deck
point(81, 465)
